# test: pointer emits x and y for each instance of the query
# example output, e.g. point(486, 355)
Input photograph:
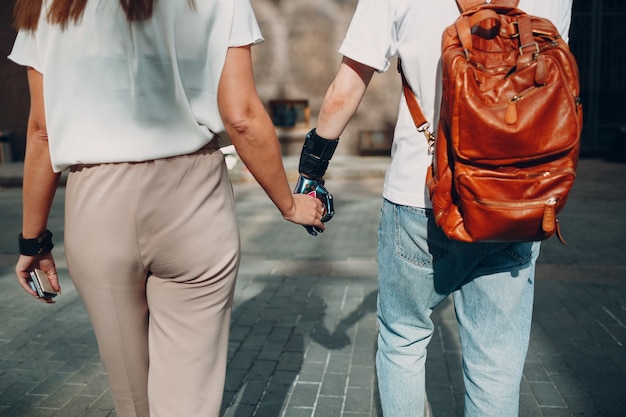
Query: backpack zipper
point(548, 219)
point(510, 114)
point(518, 204)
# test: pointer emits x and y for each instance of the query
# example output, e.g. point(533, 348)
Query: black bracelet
point(316, 154)
point(40, 245)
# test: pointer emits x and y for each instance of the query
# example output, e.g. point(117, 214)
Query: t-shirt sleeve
point(563, 24)
point(25, 50)
point(371, 38)
point(245, 29)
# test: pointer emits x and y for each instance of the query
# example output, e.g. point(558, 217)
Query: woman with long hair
point(129, 96)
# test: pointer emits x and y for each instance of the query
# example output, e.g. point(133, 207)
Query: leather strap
point(528, 48)
point(414, 108)
point(420, 121)
point(468, 4)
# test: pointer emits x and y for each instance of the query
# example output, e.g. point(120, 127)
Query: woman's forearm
point(251, 130)
point(40, 181)
point(258, 147)
point(39, 187)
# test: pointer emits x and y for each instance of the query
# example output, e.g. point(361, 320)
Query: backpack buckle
point(430, 137)
point(537, 50)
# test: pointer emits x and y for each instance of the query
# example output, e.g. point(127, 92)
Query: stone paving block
point(280, 386)
point(437, 374)
point(76, 406)
point(358, 400)
point(51, 383)
point(279, 335)
point(333, 384)
point(455, 369)
point(269, 408)
point(240, 410)
point(86, 373)
point(104, 402)
point(63, 394)
point(364, 357)
point(339, 362)
point(251, 392)
point(16, 391)
point(297, 340)
point(554, 363)
point(96, 413)
point(361, 377)
point(228, 398)
point(262, 370)
point(242, 359)
point(568, 386)
point(528, 406)
point(534, 371)
point(316, 353)
point(262, 328)
point(298, 411)
point(546, 394)
point(525, 386)
point(96, 386)
point(39, 412)
point(365, 342)
point(304, 394)
point(556, 412)
point(312, 372)
point(238, 333)
point(253, 342)
point(582, 405)
point(290, 361)
point(328, 406)
point(271, 351)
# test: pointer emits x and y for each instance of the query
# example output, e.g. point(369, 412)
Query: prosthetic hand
point(315, 188)
point(314, 159)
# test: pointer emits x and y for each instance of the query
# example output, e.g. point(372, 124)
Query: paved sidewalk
point(304, 326)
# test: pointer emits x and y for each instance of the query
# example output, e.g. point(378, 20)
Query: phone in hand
point(40, 283)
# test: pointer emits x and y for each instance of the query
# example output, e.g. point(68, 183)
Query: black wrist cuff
point(37, 246)
point(316, 154)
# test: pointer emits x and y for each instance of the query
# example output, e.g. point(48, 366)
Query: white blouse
point(125, 92)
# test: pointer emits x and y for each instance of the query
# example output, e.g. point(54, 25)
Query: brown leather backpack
point(508, 137)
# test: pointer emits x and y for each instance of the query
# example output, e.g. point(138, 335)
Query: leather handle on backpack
point(468, 4)
point(484, 23)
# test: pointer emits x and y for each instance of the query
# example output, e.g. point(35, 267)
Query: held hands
point(315, 188)
point(314, 159)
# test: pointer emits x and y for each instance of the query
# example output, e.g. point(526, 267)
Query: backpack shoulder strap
point(420, 121)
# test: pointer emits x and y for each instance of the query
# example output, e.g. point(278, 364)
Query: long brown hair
point(62, 12)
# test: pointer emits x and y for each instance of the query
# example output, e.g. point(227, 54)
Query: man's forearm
point(343, 98)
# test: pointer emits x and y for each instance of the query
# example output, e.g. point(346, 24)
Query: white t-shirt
point(124, 92)
point(412, 30)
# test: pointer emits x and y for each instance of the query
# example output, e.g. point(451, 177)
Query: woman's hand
point(306, 211)
point(26, 264)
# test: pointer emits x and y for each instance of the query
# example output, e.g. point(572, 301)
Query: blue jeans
point(492, 286)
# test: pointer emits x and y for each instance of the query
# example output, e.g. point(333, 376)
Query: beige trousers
point(153, 250)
